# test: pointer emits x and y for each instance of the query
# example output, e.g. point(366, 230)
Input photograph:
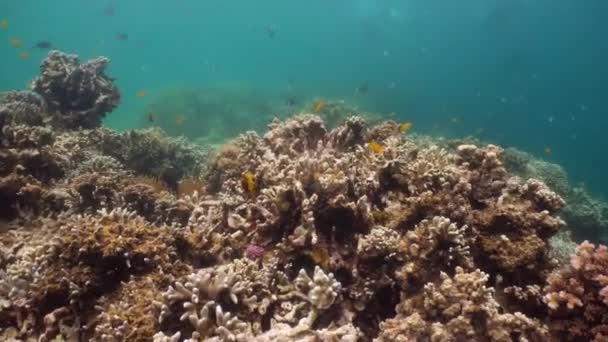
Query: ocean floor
point(341, 228)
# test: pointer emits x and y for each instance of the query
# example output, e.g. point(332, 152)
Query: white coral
point(321, 291)
point(380, 241)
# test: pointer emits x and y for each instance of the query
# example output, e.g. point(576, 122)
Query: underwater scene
point(344, 170)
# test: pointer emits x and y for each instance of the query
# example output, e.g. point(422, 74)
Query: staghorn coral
point(77, 95)
point(433, 245)
point(458, 308)
point(577, 296)
point(199, 300)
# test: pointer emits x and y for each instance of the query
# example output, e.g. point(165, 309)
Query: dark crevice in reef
point(339, 224)
point(380, 307)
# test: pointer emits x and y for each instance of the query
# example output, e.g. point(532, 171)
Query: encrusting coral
point(301, 234)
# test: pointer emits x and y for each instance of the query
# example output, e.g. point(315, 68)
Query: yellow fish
point(248, 180)
point(15, 42)
point(4, 24)
point(375, 147)
point(406, 126)
point(318, 106)
point(548, 150)
point(24, 55)
point(320, 256)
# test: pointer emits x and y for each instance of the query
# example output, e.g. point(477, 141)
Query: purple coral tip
point(254, 252)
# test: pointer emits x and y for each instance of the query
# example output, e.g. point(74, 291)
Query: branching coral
point(199, 302)
point(458, 308)
point(434, 245)
point(577, 295)
point(301, 233)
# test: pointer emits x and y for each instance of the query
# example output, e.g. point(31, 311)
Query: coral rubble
point(301, 234)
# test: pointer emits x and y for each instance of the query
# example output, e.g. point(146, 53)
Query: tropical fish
point(4, 24)
point(248, 181)
point(24, 55)
point(375, 147)
point(122, 36)
point(140, 93)
point(271, 30)
point(151, 117)
point(362, 89)
point(44, 44)
point(455, 120)
point(318, 106)
point(406, 126)
point(548, 150)
point(109, 11)
point(15, 42)
point(179, 119)
point(290, 102)
point(320, 256)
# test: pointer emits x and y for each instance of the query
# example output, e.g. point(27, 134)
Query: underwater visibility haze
point(315, 170)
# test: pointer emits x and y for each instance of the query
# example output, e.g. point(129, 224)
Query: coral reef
point(586, 217)
point(458, 308)
point(303, 233)
point(77, 95)
point(336, 112)
point(577, 296)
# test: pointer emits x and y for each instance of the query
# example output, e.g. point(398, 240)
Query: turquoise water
point(529, 74)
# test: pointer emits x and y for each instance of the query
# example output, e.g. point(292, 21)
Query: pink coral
point(254, 252)
point(577, 295)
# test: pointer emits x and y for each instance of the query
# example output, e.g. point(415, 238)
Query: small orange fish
point(375, 147)
point(320, 256)
point(140, 93)
point(248, 180)
point(548, 150)
point(4, 24)
point(24, 55)
point(406, 126)
point(15, 42)
point(318, 106)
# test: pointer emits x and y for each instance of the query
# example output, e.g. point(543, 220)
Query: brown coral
point(458, 308)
